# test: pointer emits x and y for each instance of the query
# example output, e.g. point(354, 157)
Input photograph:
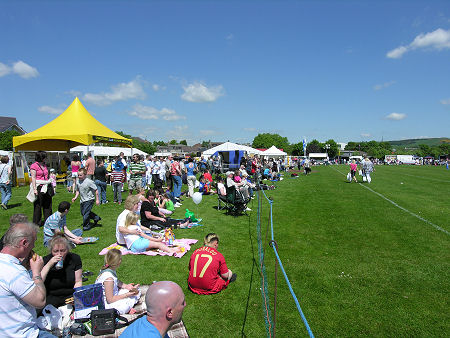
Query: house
point(180, 149)
point(10, 123)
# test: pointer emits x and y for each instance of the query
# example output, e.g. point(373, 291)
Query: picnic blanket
point(182, 242)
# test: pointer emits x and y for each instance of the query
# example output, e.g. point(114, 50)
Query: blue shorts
point(140, 245)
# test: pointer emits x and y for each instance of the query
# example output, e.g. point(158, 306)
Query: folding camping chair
point(236, 204)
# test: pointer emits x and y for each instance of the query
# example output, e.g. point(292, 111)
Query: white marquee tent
point(229, 146)
point(107, 151)
point(273, 151)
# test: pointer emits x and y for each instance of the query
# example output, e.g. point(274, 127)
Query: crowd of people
point(154, 190)
point(30, 282)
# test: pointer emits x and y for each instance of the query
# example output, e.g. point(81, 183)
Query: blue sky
point(228, 70)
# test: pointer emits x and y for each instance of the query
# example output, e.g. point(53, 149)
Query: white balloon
point(197, 197)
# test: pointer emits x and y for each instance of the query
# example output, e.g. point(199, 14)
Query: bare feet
point(132, 311)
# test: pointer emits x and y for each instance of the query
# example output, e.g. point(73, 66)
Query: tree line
point(266, 140)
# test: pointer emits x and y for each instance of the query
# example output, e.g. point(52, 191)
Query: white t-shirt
point(104, 276)
point(121, 223)
point(18, 319)
point(221, 188)
point(129, 239)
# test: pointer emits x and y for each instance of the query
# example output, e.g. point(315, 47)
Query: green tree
point(424, 150)
point(206, 144)
point(147, 147)
point(121, 133)
point(333, 149)
point(6, 137)
point(159, 143)
point(173, 142)
point(266, 140)
point(296, 149)
point(183, 142)
point(314, 147)
point(444, 148)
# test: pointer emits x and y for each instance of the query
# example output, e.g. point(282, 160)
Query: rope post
point(271, 244)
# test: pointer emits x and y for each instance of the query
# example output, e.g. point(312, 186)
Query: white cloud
point(395, 116)
point(20, 68)
point(178, 132)
point(437, 40)
point(365, 135)
point(24, 70)
point(73, 93)
point(383, 85)
point(50, 110)
point(151, 113)
point(145, 132)
point(249, 129)
point(397, 52)
point(198, 92)
point(207, 132)
point(157, 87)
point(120, 92)
point(445, 101)
point(4, 69)
point(229, 37)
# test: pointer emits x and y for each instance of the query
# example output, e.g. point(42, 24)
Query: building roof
point(8, 123)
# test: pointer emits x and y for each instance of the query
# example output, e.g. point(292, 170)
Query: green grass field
point(359, 265)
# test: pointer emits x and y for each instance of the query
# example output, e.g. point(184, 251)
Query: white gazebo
point(230, 146)
point(273, 152)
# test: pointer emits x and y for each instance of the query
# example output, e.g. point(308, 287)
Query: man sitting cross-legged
point(208, 271)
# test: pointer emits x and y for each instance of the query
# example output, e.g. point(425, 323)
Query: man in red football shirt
point(208, 272)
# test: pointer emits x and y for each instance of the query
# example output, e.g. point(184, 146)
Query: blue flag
point(304, 147)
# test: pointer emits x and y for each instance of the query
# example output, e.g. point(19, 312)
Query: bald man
point(165, 304)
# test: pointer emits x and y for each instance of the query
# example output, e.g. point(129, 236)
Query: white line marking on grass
point(428, 178)
point(406, 210)
point(402, 208)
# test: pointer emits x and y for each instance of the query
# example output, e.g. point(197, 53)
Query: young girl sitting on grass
point(116, 294)
point(160, 200)
point(143, 242)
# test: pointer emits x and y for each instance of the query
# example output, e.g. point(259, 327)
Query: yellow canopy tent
point(75, 126)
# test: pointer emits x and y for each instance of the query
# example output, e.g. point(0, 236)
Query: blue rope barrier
point(284, 272)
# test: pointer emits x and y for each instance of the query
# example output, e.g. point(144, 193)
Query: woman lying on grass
point(116, 294)
point(142, 242)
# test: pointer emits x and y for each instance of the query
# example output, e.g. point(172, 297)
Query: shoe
point(177, 205)
point(248, 209)
point(87, 228)
point(233, 277)
point(105, 202)
point(4, 206)
point(87, 273)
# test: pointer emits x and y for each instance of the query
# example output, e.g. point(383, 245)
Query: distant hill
point(414, 143)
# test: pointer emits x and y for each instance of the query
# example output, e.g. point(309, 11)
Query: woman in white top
point(142, 242)
point(117, 294)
